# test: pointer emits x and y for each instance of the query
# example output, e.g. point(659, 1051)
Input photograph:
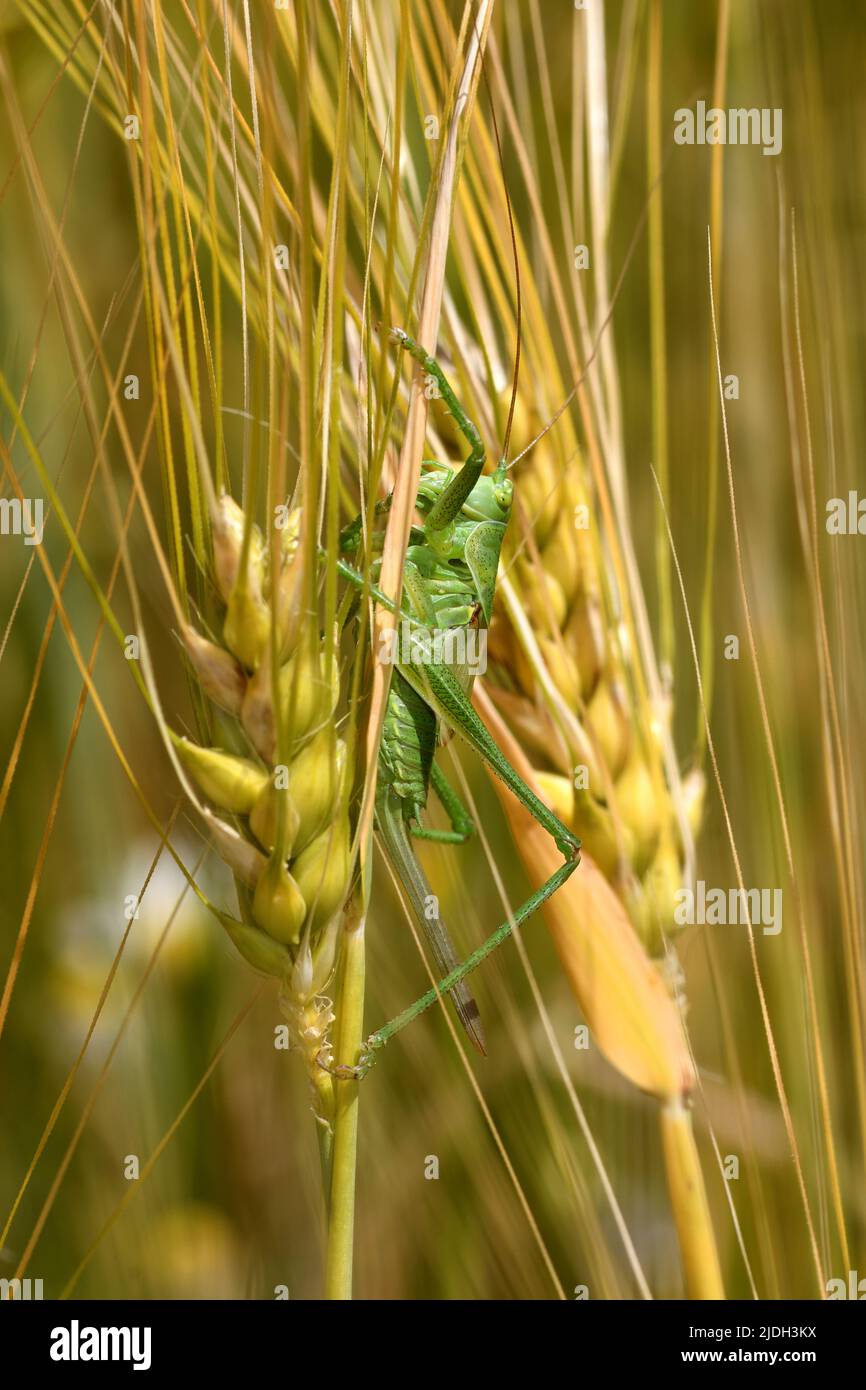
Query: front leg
point(448, 507)
point(350, 536)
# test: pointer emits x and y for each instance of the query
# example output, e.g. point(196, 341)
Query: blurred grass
point(233, 1208)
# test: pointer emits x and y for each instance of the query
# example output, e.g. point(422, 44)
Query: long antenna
point(519, 302)
point(636, 235)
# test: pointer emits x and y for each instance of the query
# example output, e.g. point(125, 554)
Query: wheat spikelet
point(276, 815)
point(601, 770)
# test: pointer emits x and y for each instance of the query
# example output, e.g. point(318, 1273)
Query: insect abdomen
point(408, 745)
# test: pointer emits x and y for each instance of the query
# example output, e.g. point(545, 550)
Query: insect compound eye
point(504, 494)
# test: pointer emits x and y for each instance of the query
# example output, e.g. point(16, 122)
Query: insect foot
point(343, 1071)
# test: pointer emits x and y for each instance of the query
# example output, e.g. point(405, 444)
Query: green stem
point(344, 1157)
point(324, 1110)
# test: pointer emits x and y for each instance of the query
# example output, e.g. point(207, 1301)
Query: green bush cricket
point(449, 583)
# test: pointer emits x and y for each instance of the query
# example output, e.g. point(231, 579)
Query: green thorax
point(448, 583)
point(468, 549)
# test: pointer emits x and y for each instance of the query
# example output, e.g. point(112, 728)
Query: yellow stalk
point(689, 1201)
